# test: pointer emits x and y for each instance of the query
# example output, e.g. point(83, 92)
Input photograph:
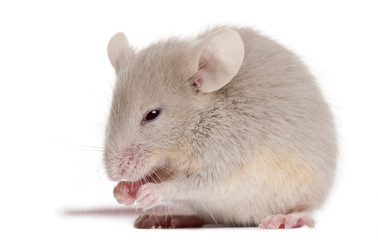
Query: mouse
point(229, 124)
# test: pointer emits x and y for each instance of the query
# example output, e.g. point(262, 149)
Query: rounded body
point(263, 144)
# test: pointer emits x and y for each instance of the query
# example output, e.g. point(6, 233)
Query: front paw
point(125, 192)
point(148, 195)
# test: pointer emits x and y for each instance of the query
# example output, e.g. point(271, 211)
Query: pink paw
point(125, 192)
point(293, 220)
point(148, 196)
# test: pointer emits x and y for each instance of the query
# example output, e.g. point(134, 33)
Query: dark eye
point(151, 115)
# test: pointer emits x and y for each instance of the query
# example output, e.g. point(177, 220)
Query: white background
point(55, 91)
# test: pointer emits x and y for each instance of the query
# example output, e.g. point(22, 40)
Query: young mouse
point(229, 124)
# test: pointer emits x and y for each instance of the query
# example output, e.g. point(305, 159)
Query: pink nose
point(131, 154)
point(128, 163)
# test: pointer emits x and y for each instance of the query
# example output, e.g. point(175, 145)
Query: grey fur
point(263, 144)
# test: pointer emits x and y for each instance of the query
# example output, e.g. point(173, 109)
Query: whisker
point(211, 215)
point(157, 175)
point(168, 210)
point(84, 146)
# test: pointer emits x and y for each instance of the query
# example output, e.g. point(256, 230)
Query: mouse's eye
point(151, 115)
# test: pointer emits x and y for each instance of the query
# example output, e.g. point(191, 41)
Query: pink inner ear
point(204, 69)
point(203, 62)
point(219, 59)
point(210, 70)
point(198, 80)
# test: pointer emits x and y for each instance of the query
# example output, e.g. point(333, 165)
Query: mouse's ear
point(219, 58)
point(119, 50)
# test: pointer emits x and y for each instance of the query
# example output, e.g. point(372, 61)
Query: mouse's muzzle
point(131, 164)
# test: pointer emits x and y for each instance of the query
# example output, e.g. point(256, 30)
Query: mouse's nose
point(131, 154)
point(124, 166)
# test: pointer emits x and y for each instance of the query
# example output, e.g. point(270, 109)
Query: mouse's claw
point(148, 196)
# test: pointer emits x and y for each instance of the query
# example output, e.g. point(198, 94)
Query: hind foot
point(293, 220)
